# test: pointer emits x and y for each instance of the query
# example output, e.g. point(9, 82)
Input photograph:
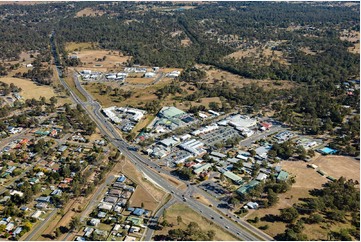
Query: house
point(101, 214)
point(80, 239)
point(116, 227)
point(110, 199)
point(46, 199)
point(39, 174)
point(17, 231)
point(9, 226)
point(134, 229)
point(105, 206)
point(88, 231)
point(94, 222)
point(252, 205)
point(24, 208)
point(36, 214)
point(115, 192)
point(261, 177)
point(41, 205)
point(282, 176)
point(62, 148)
point(56, 192)
point(138, 211)
point(122, 178)
point(15, 192)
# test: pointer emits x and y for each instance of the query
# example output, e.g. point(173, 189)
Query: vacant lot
point(337, 166)
point(29, 88)
point(137, 81)
point(215, 75)
point(146, 192)
point(101, 59)
point(78, 46)
point(188, 215)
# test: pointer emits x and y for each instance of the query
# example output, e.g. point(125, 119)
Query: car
point(221, 217)
point(238, 233)
point(227, 227)
point(201, 211)
point(212, 217)
point(172, 192)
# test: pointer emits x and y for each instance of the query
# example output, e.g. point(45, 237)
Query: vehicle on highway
point(212, 217)
point(227, 227)
point(184, 199)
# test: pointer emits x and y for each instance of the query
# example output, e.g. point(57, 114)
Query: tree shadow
point(270, 218)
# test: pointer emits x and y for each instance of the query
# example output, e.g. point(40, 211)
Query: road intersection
point(243, 231)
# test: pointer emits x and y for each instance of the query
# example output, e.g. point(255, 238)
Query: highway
point(142, 163)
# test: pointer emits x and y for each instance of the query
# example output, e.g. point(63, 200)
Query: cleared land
point(188, 216)
point(29, 88)
point(108, 59)
point(260, 52)
point(146, 192)
point(337, 166)
point(89, 12)
point(306, 179)
point(214, 75)
point(78, 46)
point(353, 37)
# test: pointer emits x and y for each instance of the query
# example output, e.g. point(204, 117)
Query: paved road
point(41, 226)
point(94, 201)
point(154, 221)
point(141, 162)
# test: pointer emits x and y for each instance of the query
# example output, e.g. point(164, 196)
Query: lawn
point(69, 80)
point(188, 215)
point(29, 88)
point(78, 46)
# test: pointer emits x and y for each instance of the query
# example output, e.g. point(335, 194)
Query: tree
point(272, 197)
point(179, 219)
point(74, 223)
point(289, 215)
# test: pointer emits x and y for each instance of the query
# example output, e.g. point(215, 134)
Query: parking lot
point(214, 189)
point(220, 135)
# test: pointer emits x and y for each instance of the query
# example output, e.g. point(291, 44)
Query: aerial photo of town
point(180, 121)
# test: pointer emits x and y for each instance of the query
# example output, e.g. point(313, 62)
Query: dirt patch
point(337, 166)
point(137, 81)
point(188, 215)
point(101, 59)
point(89, 12)
point(307, 51)
point(148, 192)
point(260, 53)
point(202, 199)
point(30, 89)
point(215, 75)
point(186, 42)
